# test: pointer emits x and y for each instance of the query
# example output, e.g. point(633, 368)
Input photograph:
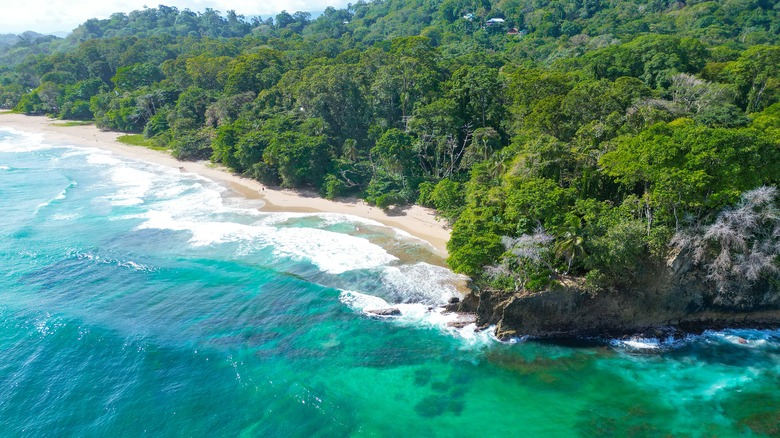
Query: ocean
point(139, 300)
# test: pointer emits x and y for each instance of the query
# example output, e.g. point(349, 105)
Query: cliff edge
point(677, 296)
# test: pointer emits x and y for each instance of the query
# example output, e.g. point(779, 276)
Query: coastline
point(419, 222)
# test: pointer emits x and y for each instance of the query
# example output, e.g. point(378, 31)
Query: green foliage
point(139, 140)
point(448, 198)
point(76, 110)
point(301, 159)
point(619, 254)
point(394, 151)
point(333, 187)
point(386, 189)
point(30, 104)
point(136, 75)
point(612, 125)
point(475, 241)
point(535, 202)
point(683, 167)
point(651, 58)
point(193, 145)
point(224, 147)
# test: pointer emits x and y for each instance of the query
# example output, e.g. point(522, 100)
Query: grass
point(73, 123)
point(139, 140)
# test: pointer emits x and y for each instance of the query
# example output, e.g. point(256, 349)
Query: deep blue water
point(139, 300)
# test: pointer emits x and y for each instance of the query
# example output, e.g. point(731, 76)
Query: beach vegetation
point(134, 140)
point(596, 140)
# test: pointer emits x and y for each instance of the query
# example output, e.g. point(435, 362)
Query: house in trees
point(495, 25)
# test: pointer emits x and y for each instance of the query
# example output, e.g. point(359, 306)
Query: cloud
point(60, 16)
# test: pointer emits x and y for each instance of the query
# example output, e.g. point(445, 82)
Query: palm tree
point(570, 242)
point(350, 150)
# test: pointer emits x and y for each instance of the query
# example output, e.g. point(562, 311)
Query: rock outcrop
point(675, 296)
point(390, 311)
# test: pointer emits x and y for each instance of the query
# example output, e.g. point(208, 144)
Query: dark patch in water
point(623, 418)
point(767, 423)
point(436, 405)
point(758, 412)
point(440, 386)
point(422, 376)
point(22, 233)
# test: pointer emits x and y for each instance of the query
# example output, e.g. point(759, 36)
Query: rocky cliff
point(676, 296)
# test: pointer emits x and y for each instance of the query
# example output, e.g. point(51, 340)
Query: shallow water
point(139, 300)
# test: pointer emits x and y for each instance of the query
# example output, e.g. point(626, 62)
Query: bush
point(426, 190)
point(448, 197)
point(619, 253)
point(192, 146)
point(78, 110)
point(333, 187)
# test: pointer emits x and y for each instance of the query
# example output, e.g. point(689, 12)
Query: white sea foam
point(324, 219)
point(134, 184)
point(81, 151)
point(5, 168)
point(186, 200)
point(334, 253)
point(172, 191)
point(362, 302)
point(419, 315)
point(102, 159)
point(637, 343)
point(338, 218)
point(421, 283)
point(177, 204)
point(63, 217)
point(743, 338)
point(109, 261)
point(61, 195)
point(22, 142)
point(203, 233)
point(11, 131)
point(733, 383)
point(137, 182)
point(330, 219)
point(420, 292)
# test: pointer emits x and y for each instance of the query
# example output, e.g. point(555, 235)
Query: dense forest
point(577, 139)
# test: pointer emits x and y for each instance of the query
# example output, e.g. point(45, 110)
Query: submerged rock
point(390, 311)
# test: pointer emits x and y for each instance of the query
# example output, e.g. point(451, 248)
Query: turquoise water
point(140, 300)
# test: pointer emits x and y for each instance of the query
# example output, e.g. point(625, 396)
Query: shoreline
point(419, 222)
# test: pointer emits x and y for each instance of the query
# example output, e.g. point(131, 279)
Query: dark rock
point(463, 320)
point(675, 297)
point(390, 311)
point(454, 300)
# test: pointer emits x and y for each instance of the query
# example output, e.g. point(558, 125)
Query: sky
point(50, 16)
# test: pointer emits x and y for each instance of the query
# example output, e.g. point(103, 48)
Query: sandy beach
point(418, 221)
